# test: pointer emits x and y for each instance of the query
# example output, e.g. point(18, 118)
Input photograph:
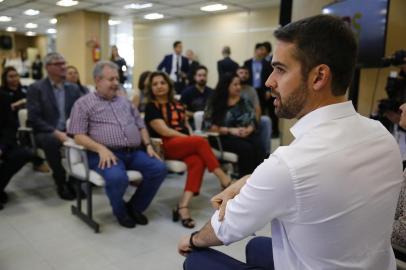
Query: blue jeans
point(265, 132)
point(258, 256)
point(153, 173)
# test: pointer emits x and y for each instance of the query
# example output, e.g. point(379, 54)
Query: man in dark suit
point(49, 103)
point(226, 65)
point(193, 65)
point(176, 66)
point(260, 69)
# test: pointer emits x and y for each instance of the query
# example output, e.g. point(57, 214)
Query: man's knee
point(115, 177)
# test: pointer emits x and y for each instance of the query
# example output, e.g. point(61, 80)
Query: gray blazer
point(42, 108)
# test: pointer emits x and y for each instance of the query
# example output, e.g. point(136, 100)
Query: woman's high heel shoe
point(186, 222)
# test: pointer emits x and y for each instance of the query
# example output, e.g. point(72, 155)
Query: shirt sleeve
point(79, 119)
point(255, 98)
point(268, 194)
point(139, 122)
point(152, 113)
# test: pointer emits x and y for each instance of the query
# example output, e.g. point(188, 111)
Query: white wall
point(205, 35)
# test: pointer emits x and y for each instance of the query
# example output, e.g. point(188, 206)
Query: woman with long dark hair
point(234, 118)
point(166, 118)
point(72, 76)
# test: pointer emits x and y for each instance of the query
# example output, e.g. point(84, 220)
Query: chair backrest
point(198, 120)
point(22, 117)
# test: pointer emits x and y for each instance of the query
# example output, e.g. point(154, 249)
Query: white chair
point(23, 129)
point(224, 157)
point(76, 165)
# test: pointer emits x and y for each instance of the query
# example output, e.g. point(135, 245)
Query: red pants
point(196, 152)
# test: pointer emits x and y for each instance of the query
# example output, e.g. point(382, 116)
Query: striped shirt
point(113, 123)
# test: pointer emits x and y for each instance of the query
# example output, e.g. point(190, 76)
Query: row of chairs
point(76, 164)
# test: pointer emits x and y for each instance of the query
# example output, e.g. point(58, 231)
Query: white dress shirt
point(330, 195)
point(176, 59)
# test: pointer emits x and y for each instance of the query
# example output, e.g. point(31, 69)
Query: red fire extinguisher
point(96, 53)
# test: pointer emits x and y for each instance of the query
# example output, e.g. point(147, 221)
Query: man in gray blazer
point(49, 103)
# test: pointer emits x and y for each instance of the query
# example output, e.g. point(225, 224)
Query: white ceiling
point(169, 8)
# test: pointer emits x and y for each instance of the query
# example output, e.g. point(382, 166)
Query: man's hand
point(106, 158)
point(61, 136)
point(219, 201)
point(245, 132)
point(183, 246)
point(151, 152)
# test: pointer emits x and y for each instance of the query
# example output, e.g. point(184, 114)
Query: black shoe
point(65, 194)
point(3, 197)
point(126, 221)
point(138, 217)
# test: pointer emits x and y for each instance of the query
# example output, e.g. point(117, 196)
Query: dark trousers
point(250, 151)
point(13, 160)
point(258, 254)
point(153, 173)
point(52, 148)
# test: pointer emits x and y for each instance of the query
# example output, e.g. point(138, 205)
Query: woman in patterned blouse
point(166, 118)
point(234, 118)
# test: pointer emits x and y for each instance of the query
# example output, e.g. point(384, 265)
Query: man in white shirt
point(331, 194)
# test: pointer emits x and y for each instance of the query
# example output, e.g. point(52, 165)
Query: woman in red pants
point(166, 118)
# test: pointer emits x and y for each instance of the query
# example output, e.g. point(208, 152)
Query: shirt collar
point(103, 98)
point(56, 86)
point(322, 115)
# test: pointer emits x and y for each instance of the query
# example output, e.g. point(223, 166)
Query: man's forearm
point(206, 237)
point(145, 136)
point(88, 143)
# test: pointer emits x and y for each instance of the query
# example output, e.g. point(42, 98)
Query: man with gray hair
point(226, 65)
point(113, 132)
point(49, 102)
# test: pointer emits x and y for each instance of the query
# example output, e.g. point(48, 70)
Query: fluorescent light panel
point(153, 16)
point(30, 33)
point(31, 12)
point(53, 21)
point(138, 6)
point(51, 31)
point(11, 29)
point(214, 7)
point(31, 25)
point(67, 3)
point(5, 18)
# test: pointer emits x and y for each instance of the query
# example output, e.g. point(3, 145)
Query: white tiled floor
point(37, 230)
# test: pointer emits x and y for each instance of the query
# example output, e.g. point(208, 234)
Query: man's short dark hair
point(176, 43)
point(242, 67)
point(268, 46)
point(199, 68)
point(323, 39)
point(259, 45)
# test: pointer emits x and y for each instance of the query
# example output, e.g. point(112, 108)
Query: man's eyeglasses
point(58, 63)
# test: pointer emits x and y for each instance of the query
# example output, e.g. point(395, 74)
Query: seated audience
point(195, 97)
point(264, 122)
point(72, 76)
point(12, 156)
point(234, 118)
point(166, 118)
point(16, 93)
point(113, 132)
point(330, 195)
point(139, 99)
point(49, 103)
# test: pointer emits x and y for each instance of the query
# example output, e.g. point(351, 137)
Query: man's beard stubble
point(293, 104)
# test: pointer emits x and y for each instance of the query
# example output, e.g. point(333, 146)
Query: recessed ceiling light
point(11, 29)
point(114, 22)
point(153, 16)
point(30, 33)
point(1, 1)
point(214, 7)
point(138, 6)
point(31, 25)
point(67, 3)
point(53, 21)
point(5, 18)
point(51, 31)
point(31, 12)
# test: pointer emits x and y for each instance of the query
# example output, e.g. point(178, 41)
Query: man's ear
point(321, 77)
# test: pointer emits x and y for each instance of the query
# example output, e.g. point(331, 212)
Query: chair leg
point(77, 210)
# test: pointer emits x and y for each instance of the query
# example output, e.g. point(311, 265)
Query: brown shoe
point(43, 168)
